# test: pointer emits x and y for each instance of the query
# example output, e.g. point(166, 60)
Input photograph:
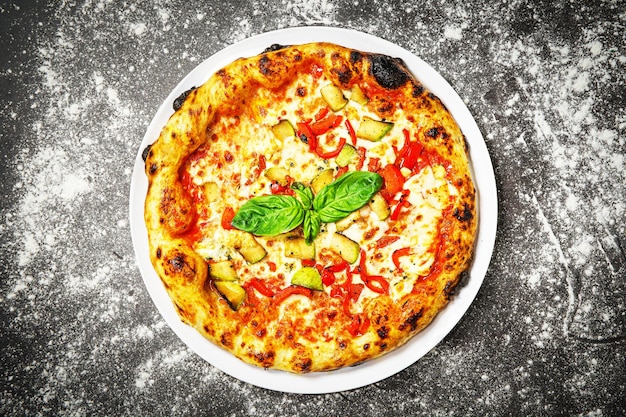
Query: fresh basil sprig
point(275, 214)
point(349, 193)
point(269, 215)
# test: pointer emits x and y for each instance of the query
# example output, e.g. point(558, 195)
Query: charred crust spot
point(264, 358)
point(383, 332)
point(366, 346)
point(448, 290)
point(177, 263)
point(355, 57)
point(265, 66)
point(274, 47)
point(226, 340)
point(385, 107)
point(146, 151)
point(178, 101)
point(304, 365)
point(433, 132)
point(463, 215)
point(180, 265)
point(158, 253)
point(153, 168)
point(412, 321)
point(301, 91)
point(389, 72)
point(418, 90)
point(342, 345)
point(343, 73)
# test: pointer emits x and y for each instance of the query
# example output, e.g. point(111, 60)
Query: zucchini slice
point(308, 277)
point(223, 271)
point(347, 248)
point(299, 249)
point(283, 129)
point(233, 292)
point(358, 96)
point(380, 207)
point(334, 97)
point(346, 155)
point(277, 174)
point(373, 130)
point(322, 179)
point(251, 250)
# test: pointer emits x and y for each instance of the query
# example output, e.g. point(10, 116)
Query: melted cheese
point(254, 138)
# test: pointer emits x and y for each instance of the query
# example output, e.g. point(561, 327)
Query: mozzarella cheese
point(416, 228)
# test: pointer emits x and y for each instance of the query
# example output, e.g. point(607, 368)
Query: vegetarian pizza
point(311, 207)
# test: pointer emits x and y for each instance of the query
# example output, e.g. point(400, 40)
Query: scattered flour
point(453, 32)
point(89, 330)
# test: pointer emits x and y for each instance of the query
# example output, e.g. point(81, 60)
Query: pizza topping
point(269, 215)
point(275, 214)
point(233, 292)
point(290, 212)
point(393, 181)
point(223, 271)
point(283, 129)
point(351, 131)
point(346, 155)
point(333, 153)
point(358, 96)
point(308, 277)
point(375, 283)
point(334, 97)
point(373, 130)
point(287, 292)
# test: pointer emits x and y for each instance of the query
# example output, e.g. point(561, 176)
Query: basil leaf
point(269, 215)
point(311, 226)
point(347, 194)
point(305, 194)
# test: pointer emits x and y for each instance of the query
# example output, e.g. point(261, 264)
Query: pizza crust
point(303, 334)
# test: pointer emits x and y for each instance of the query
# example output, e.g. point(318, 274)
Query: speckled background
point(81, 81)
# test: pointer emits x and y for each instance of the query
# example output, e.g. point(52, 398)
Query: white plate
point(395, 361)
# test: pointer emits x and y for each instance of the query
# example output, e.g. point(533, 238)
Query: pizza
point(311, 207)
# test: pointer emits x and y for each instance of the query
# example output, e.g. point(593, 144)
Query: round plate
point(418, 346)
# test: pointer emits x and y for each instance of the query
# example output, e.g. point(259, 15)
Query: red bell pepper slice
point(305, 129)
point(341, 266)
point(373, 165)
point(328, 277)
point(260, 286)
point(381, 285)
point(322, 113)
point(361, 151)
point(385, 241)
point(322, 126)
point(227, 218)
point(408, 155)
point(403, 202)
point(393, 180)
point(332, 153)
point(351, 131)
point(376, 283)
point(397, 254)
point(285, 293)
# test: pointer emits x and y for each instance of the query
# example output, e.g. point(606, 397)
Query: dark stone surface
point(80, 83)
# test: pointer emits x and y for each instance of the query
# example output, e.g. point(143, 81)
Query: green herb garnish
point(276, 214)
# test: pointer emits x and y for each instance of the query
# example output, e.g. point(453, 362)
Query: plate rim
point(394, 361)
